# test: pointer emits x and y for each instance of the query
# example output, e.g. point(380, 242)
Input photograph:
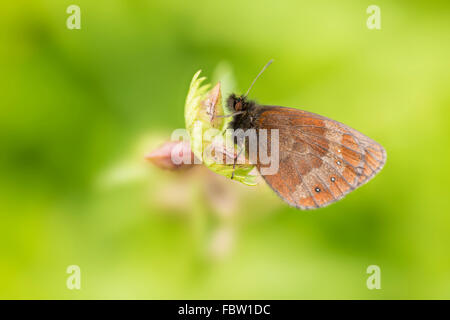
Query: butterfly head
point(237, 103)
point(243, 112)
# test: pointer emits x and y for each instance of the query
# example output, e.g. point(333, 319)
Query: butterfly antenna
point(263, 69)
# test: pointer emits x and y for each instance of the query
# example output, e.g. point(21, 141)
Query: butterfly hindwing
point(321, 160)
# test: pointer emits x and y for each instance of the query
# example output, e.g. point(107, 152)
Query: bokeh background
point(80, 108)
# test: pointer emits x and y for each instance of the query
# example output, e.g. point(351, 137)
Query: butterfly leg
point(234, 163)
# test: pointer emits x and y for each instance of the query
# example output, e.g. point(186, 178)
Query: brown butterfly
point(320, 160)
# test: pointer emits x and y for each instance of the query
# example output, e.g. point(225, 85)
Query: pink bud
point(172, 155)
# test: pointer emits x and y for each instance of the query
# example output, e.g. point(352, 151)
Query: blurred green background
point(80, 108)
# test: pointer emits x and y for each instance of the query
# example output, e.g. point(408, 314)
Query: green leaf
point(207, 131)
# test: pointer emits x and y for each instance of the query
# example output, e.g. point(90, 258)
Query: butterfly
point(320, 160)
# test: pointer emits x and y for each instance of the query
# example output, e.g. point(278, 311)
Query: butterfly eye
point(317, 189)
point(333, 179)
point(338, 162)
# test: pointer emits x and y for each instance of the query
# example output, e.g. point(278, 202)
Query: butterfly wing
point(321, 160)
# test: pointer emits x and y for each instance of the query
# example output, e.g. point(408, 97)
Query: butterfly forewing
point(321, 160)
